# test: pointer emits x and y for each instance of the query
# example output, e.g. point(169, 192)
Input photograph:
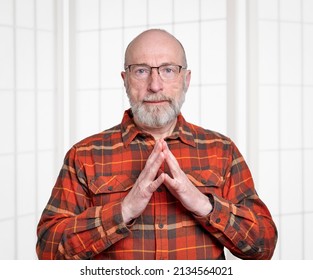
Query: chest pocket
point(207, 181)
point(106, 189)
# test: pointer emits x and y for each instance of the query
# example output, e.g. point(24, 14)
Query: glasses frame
point(180, 67)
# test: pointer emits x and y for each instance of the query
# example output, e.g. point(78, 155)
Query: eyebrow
point(162, 64)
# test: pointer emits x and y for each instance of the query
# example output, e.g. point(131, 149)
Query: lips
point(156, 101)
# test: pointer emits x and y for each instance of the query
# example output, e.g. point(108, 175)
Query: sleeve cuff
point(112, 222)
point(218, 218)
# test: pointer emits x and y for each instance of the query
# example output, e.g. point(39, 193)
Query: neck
point(158, 132)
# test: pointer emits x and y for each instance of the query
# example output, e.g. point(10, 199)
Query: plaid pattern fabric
point(83, 220)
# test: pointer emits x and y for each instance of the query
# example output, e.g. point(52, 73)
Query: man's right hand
point(139, 196)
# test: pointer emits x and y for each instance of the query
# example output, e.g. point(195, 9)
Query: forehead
point(154, 47)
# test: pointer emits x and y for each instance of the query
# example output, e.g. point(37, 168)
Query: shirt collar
point(130, 131)
point(183, 131)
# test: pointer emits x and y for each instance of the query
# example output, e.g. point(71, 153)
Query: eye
point(140, 70)
point(168, 70)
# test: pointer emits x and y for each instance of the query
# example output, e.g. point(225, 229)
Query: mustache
point(157, 97)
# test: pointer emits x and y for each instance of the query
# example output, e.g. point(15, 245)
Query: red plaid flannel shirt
point(83, 220)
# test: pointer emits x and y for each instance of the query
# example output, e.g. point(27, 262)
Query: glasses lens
point(140, 72)
point(169, 72)
point(143, 72)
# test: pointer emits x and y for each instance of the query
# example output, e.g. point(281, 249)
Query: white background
point(252, 79)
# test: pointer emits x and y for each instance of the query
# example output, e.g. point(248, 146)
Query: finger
point(156, 158)
point(153, 164)
point(160, 171)
point(156, 183)
point(169, 182)
point(172, 185)
point(171, 161)
point(155, 152)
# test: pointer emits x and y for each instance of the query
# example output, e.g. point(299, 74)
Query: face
point(155, 102)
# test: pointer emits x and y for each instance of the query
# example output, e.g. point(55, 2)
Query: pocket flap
point(111, 184)
point(206, 178)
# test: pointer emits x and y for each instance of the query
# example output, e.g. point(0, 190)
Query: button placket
point(160, 224)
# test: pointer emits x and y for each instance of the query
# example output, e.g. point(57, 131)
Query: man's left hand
point(181, 187)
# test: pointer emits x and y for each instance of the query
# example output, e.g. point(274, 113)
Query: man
point(155, 186)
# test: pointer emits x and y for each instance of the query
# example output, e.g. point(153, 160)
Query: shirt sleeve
point(239, 219)
point(70, 226)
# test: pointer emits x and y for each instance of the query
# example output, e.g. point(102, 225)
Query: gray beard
point(156, 116)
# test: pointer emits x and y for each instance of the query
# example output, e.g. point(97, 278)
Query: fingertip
point(159, 180)
point(158, 145)
point(160, 177)
point(163, 176)
point(164, 145)
point(162, 155)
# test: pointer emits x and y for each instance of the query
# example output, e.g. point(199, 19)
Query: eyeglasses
point(143, 71)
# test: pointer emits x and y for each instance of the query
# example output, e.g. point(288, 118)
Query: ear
point(188, 78)
point(123, 75)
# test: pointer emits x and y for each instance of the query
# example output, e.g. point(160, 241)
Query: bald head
point(154, 45)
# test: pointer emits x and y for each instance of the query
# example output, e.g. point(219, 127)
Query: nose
point(155, 82)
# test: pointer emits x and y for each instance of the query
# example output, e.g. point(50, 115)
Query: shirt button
point(159, 189)
point(161, 226)
point(110, 188)
point(89, 254)
point(121, 231)
point(218, 220)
